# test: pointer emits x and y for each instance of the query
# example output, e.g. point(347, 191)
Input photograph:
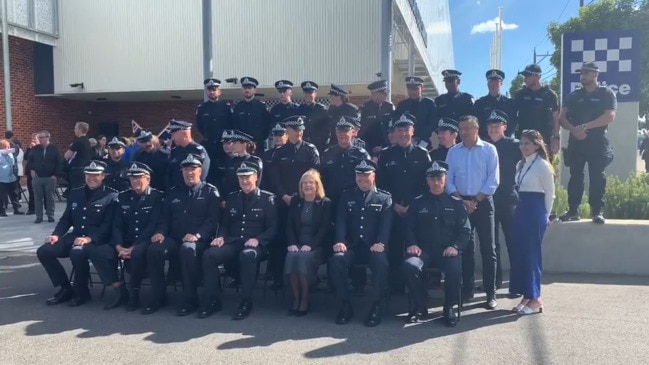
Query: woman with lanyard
point(535, 186)
point(239, 148)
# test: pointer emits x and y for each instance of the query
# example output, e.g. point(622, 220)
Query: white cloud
point(442, 27)
point(490, 26)
point(478, 2)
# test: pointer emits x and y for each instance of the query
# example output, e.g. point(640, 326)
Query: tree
point(517, 84)
point(607, 15)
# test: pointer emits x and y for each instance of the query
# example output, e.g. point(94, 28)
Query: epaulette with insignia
point(126, 191)
point(419, 196)
point(111, 189)
point(456, 198)
point(79, 187)
point(384, 191)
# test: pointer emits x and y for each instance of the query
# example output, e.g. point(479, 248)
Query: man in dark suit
point(363, 224)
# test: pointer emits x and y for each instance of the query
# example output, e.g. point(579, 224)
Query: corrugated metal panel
point(125, 45)
point(320, 40)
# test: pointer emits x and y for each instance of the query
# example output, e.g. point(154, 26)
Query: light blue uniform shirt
point(472, 171)
point(6, 168)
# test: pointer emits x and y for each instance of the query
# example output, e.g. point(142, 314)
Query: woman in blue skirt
point(535, 185)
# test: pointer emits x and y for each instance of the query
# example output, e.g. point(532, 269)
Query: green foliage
point(629, 199)
point(517, 84)
point(607, 15)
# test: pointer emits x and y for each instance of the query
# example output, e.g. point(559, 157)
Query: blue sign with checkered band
point(615, 52)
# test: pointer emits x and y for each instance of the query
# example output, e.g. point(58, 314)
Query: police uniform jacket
point(402, 172)
point(158, 161)
point(584, 107)
point(509, 154)
point(374, 123)
point(424, 110)
point(316, 124)
point(435, 222)
point(177, 155)
point(193, 210)
point(364, 219)
point(136, 216)
point(486, 104)
point(338, 168)
point(226, 179)
point(289, 163)
point(535, 110)
point(439, 153)
point(248, 216)
point(337, 112)
point(116, 174)
point(252, 117)
point(212, 117)
point(89, 213)
point(267, 161)
point(454, 105)
point(281, 111)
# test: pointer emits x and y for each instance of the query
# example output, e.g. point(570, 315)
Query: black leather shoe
point(118, 296)
point(186, 309)
point(244, 310)
point(415, 315)
point(30, 212)
point(51, 219)
point(491, 302)
point(3, 213)
point(78, 300)
point(38, 220)
point(513, 296)
point(345, 314)
point(233, 284)
point(153, 307)
point(210, 308)
point(133, 301)
point(63, 295)
point(375, 316)
point(18, 212)
point(570, 216)
point(599, 219)
point(450, 319)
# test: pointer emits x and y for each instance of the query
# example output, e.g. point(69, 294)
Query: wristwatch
point(198, 235)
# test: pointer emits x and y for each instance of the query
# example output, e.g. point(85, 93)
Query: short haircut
point(46, 133)
point(4, 143)
point(315, 175)
point(83, 126)
point(470, 118)
point(9, 134)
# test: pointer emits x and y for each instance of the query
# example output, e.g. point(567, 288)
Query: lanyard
point(522, 176)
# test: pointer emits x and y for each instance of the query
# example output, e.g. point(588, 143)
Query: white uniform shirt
point(536, 175)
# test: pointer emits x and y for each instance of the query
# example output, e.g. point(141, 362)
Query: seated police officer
point(363, 224)
point(438, 229)
point(89, 211)
point(249, 224)
point(137, 213)
point(188, 223)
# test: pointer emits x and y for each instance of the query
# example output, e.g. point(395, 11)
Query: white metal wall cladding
point(126, 45)
point(324, 41)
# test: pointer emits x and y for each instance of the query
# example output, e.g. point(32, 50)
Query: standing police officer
point(116, 165)
point(250, 115)
point(136, 216)
point(286, 107)
point(375, 116)
point(495, 100)
point(437, 232)
point(188, 223)
point(401, 171)
point(339, 107)
point(586, 113)
point(363, 223)
point(316, 121)
point(184, 145)
point(423, 109)
point(454, 103)
point(505, 197)
point(279, 139)
point(225, 176)
point(212, 117)
point(249, 224)
point(89, 211)
point(447, 130)
point(152, 155)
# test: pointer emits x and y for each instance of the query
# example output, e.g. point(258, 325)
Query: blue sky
point(525, 27)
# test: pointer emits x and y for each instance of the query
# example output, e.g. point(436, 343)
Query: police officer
point(339, 106)
point(286, 107)
point(495, 100)
point(423, 109)
point(363, 223)
point(279, 139)
point(537, 108)
point(454, 103)
point(153, 156)
point(183, 145)
point(116, 165)
point(317, 121)
point(239, 151)
point(401, 171)
point(248, 227)
point(136, 215)
point(438, 230)
point(375, 116)
point(338, 163)
point(251, 116)
point(89, 211)
point(212, 117)
point(505, 197)
point(586, 113)
point(289, 163)
point(189, 221)
point(447, 130)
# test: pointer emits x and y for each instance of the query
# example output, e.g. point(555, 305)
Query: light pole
point(6, 66)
